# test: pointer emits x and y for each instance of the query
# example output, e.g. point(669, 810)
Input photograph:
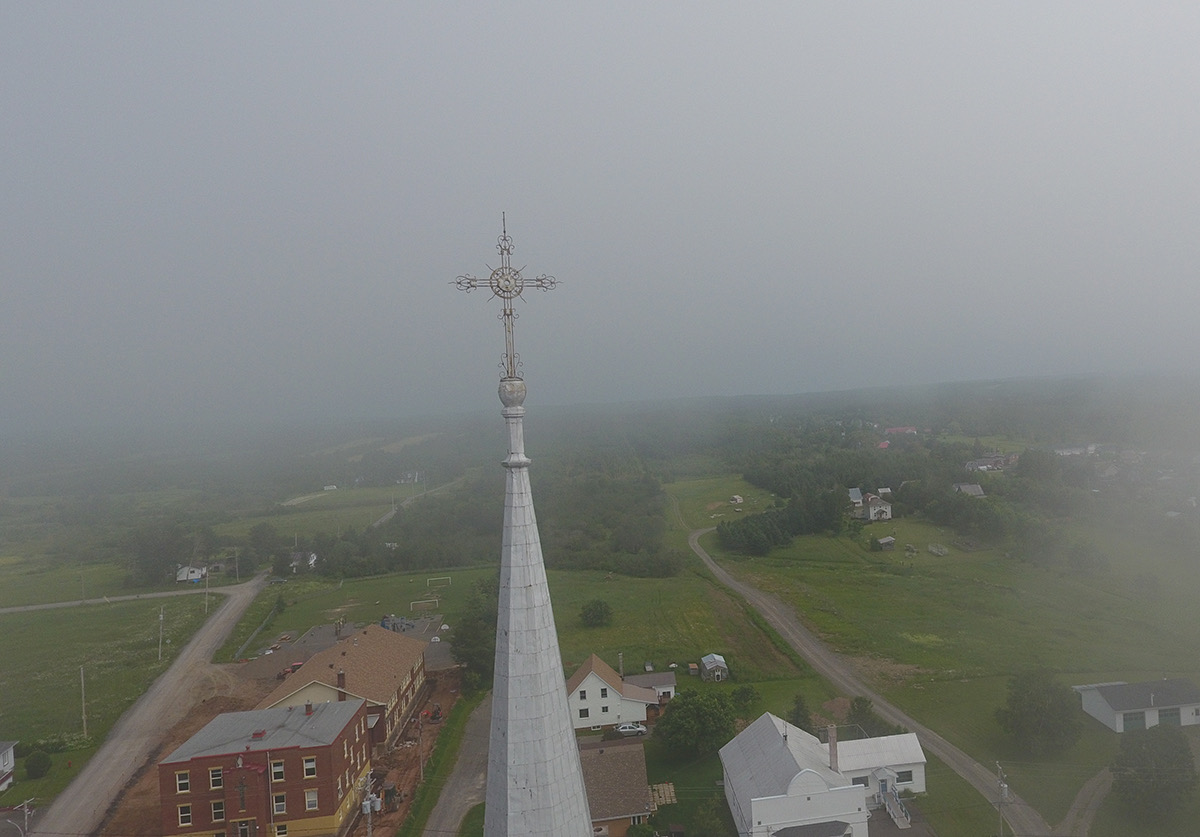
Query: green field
point(116, 646)
point(939, 635)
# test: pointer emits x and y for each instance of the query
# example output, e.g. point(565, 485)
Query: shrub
point(37, 764)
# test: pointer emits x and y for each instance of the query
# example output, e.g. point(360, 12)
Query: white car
point(632, 729)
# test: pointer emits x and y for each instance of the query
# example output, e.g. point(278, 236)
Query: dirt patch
point(883, 673)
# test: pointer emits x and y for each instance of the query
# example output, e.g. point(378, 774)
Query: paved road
point(467, 785)
point(80, 809)
point(1023, 819)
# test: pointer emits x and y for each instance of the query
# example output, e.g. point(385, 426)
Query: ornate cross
point(507, 283)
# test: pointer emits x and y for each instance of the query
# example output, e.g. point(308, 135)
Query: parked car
point(632, 729)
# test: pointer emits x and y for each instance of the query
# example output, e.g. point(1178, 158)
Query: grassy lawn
point(324, 511)
point(26, 581)
point(116, 645)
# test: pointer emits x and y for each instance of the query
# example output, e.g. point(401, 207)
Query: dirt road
point(80, 808)
point(467, 785)
point(1023, 819)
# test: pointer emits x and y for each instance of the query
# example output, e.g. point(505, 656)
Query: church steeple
point(534, 780)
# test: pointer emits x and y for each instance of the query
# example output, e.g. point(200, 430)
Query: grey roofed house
point(280, 728)
point(971, 489)
point(1127, 706)
point(8, 763)
point(777, 776)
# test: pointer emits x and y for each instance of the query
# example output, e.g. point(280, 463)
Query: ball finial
point(512, 392)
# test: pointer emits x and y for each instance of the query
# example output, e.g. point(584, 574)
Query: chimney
point(308, 708)
point(833, 761)
point(341, 685)
point(621, 664)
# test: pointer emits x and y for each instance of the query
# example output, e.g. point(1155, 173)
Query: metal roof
point(268, 729)
point(885, 751)
point(1125, 697)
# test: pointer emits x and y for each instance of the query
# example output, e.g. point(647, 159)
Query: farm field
point(940, 635)
point(116, 646)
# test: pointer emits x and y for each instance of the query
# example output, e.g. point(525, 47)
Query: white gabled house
point(8, 763)
point(1128, 706)
point(190, 573)
point(598, 697)
point(779, 778)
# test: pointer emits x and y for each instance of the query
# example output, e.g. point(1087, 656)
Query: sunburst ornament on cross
point(507, 283)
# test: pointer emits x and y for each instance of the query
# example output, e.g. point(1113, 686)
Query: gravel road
point(1023, 819)
point(467, 785)
point(80, 809)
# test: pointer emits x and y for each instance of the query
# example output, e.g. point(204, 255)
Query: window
point(216, 778)
point(903, 777)
point(310, 800)
point(603, 710)
point(276, 771)
point(1169, 717)
point(279, 800)
point(604, 693)
point(583, 694)
point(310, 767)
point(281, 831)
point(183, 782)
point(185, 814)
point(860, 780)
point(218, 810)
point(583, 713)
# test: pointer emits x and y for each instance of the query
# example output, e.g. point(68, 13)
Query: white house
point(1127, 706)
point(8, 763)
point(190, 573)
point(887, 765)
point(662, 682)
point(856, 502)
point(779, 777)
point(876, 508)
point(599, 698)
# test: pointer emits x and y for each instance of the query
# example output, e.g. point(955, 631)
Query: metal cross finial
point(507, 283)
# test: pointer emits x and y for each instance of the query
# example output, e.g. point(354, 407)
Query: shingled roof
point(376, 662)
point(615, 778)
point(597, 666)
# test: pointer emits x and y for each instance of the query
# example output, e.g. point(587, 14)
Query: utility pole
point(1001, 795)
point(160, 632)
point(206, 591)
point(236, 570)
point(83, 702)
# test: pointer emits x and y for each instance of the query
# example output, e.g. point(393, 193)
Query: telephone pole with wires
point(1001, 794)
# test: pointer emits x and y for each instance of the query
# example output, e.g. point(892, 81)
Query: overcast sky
point(257, 210)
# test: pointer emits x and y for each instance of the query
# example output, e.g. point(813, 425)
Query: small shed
point(190, 573)
point(713, 667)
point(887, 544)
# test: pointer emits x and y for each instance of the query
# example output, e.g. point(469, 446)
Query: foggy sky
point(250, 211)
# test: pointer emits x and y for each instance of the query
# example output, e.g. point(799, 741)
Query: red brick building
point(286, 772)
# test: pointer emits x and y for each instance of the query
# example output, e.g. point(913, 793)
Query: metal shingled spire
point(534, 779)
